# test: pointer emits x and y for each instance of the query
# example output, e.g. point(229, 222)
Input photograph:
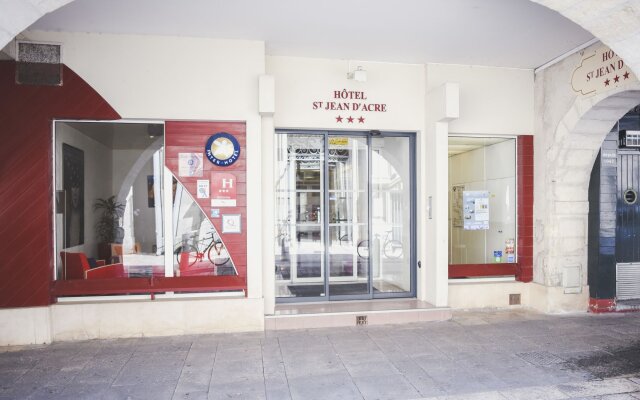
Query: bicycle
point(215, 250)
point(391, 248)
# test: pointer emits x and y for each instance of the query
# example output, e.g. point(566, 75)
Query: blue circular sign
point(222, 149)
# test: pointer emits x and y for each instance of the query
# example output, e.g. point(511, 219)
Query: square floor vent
point(38, 64)
point(361, 319)
point(514, 299)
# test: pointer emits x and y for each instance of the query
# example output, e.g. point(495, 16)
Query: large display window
point(141, 203)
point(482, 200)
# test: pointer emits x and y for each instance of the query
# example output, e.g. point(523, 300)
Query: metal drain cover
point(540, 358)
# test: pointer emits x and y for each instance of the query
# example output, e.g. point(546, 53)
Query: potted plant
point(107, 225)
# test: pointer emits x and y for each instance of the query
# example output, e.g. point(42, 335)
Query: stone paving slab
point(506, 355)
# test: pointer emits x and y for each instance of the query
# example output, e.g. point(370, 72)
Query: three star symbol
point(616, 79)
point(350, 119)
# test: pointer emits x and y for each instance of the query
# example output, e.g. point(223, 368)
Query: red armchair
point(76, 266)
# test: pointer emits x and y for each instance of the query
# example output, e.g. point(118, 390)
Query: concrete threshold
point(353, 313)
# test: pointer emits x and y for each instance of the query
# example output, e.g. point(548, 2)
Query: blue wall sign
point(222, 149)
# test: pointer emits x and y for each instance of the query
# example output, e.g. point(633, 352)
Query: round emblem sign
point(222, 149)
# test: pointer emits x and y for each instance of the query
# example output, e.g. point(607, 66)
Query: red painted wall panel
point(191, 137)
point(26, 115)
point(524, 269)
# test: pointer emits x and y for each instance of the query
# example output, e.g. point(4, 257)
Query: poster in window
point(189, 164)
point(231, 223)
point(73, 186)
point(151, 198)
point(476, 210)
point(223, 189)
point(202, 188)
point(456, 205)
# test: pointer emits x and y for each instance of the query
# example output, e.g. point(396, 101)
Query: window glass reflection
point(482, 200)
point(109, 208)
point(198, 248)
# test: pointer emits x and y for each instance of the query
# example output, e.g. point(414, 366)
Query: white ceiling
point(119, 135)
point(463, 144)
point(508, 33)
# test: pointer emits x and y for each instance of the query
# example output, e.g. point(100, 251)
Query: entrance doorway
point(614, 223)
point(345, 215)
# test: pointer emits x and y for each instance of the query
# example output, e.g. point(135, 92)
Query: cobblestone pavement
point(479, 355)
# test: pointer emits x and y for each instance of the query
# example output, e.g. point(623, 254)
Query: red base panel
point(599, 306)
point(110, 286)
point(476, 270)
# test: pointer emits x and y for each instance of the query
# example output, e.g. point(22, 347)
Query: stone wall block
point(608, 112)
point(583, 105)
point(574, 208)
point(597, 127)
point(568, 246)
point(618, 102)
point(575, 158)
point(559, 5)
point(625, 13)
point(629, 42)
point(567, 192)
point(590, 142)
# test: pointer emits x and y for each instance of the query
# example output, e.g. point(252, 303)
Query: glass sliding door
point(365, 184)
point(300, 235)
point(348, 188)
point(391, 208)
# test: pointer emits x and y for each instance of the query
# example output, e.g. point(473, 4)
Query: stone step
point(375, 312)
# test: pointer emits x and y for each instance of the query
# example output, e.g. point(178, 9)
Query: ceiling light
point(154, 130)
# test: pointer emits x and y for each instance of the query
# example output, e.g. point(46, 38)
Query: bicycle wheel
point(218, 254)
point(363, 249)
point(393, 249)
point(344, 239)
point(193, 254)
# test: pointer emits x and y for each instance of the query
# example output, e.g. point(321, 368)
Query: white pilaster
point(267, 109)
point(442, 107)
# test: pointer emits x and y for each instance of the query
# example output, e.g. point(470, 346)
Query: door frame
point(368, 134)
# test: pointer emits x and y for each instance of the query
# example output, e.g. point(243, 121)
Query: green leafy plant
point(110, 209)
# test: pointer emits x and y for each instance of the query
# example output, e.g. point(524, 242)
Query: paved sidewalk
point(480, 355)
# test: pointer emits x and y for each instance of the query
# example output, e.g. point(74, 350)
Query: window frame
point(520, 269)
point(110, 289)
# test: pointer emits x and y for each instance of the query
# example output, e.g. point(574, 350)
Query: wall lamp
point(359, 75)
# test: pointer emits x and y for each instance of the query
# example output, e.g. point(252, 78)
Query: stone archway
point(562, 184)
point(615, 23)
point(16, 16)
